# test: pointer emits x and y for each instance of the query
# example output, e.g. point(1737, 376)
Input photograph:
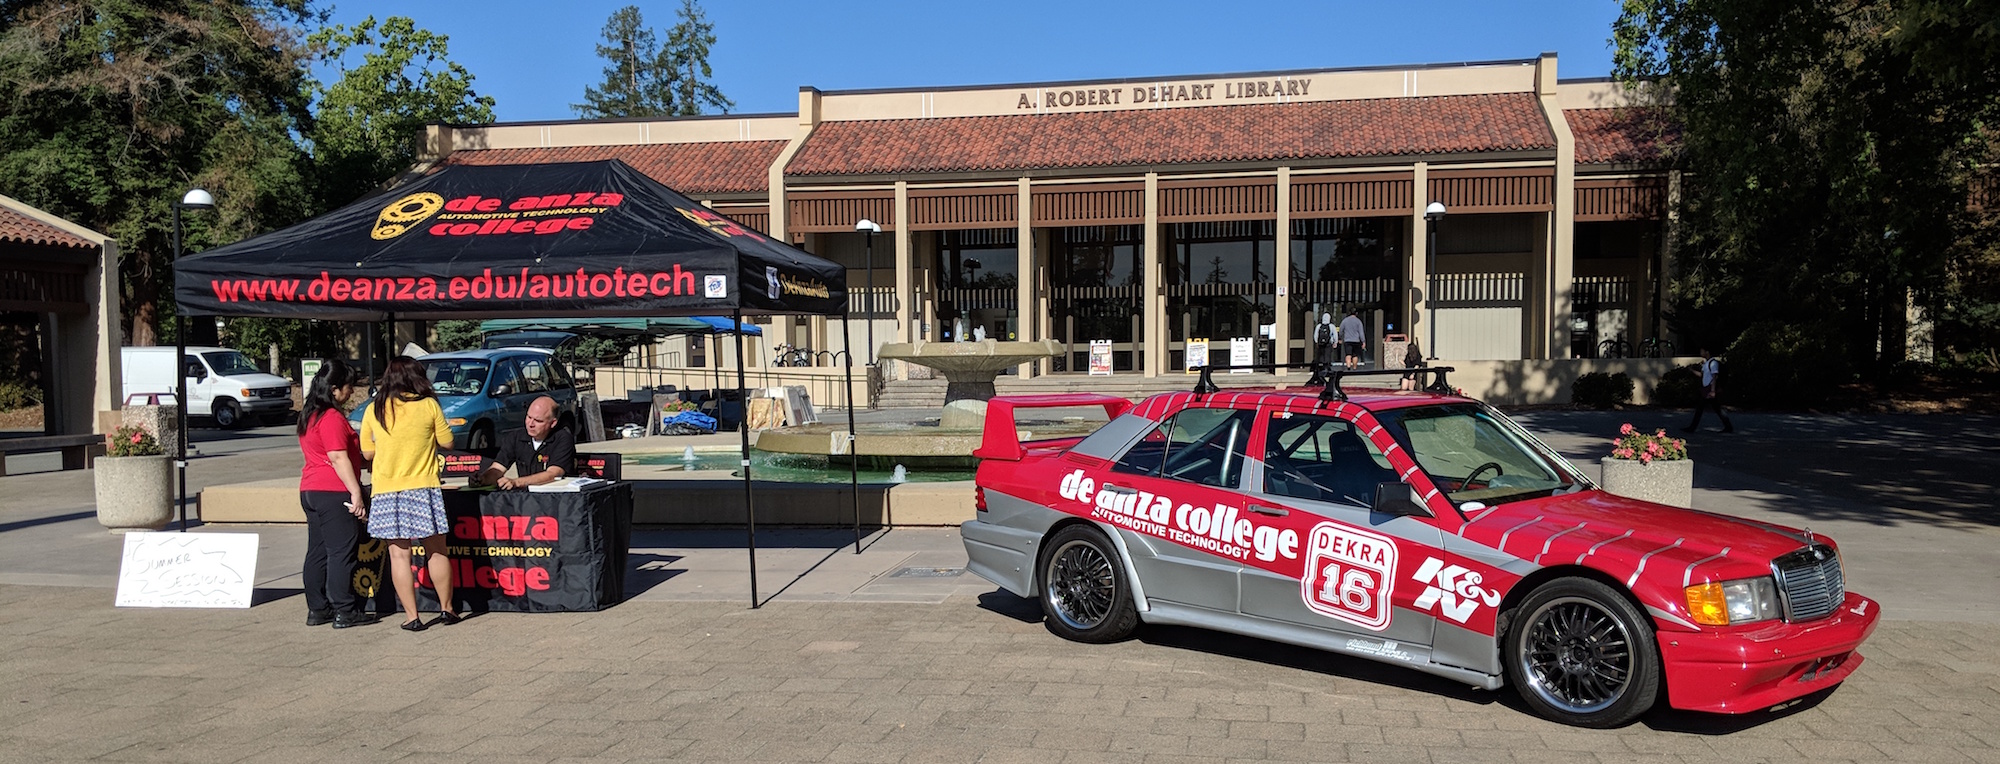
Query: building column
point(905, 281)
point(1025, 303)
point(101, 331)
point(1418, 321)
point(1562, 227)
point(1151, 287)
point(1282, 337)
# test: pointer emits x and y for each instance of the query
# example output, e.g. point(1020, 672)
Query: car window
point(456, 377)
point(534, 375)
point(559, 377)
point(1206, 446)
point(1323, 459)
point(1477, 454)
point(230, 363)
point(504, 373)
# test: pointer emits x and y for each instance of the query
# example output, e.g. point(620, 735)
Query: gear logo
point(403, 214)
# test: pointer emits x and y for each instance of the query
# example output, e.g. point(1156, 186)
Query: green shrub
point(1782, 365)
point(1600, 390)
point(1679, 388)
point(18, 394)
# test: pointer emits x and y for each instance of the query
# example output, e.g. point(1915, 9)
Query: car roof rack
point(1328, 378)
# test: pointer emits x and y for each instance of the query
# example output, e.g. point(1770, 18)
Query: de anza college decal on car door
point(1347, 573)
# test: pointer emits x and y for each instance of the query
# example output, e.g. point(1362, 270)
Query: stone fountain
point(970, 367)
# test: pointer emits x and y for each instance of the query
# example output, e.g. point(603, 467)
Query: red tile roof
point(721, 167)
point(1620, 136)
point(16, 227)
point(1265, 132)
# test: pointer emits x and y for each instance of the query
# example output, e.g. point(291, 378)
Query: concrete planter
point(1661, 482)
point(135, 493)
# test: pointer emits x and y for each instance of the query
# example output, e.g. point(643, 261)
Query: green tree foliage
point(110, 109)
point(370, 122)
point(687, 57)
point(643, 78)
point(1830, 149)
point(635, 82)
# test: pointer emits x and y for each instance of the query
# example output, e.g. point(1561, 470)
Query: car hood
point(1618, 535)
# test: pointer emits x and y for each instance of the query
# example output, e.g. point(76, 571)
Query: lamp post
point(194, 199)
point(1432, 214)
point(869, 228)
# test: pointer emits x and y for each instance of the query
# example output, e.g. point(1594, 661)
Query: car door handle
point(1272, 511)
point(1118, 489)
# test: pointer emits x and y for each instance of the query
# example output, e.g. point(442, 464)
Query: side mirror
point(502, 391)
point(1398, 500)
point(196, 370)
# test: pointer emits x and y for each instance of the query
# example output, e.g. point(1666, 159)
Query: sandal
point(444, 618)
point(415, 624)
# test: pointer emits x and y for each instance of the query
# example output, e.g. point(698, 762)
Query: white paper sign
point(187, 570)
point(1100, 358)
point(1197, 354)
point(1242, 352)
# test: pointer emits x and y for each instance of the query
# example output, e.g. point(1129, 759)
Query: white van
point(222, 384)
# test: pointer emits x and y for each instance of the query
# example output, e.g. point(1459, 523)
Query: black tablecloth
point(521, 551)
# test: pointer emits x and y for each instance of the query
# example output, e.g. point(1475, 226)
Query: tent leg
point(853, 444)
point(743, 427)
point(180, 402)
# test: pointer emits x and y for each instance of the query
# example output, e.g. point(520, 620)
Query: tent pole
point(180, 401)
point(853, 444)
point(743, 426)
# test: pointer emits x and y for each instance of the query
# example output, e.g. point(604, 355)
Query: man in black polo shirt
point(539, 454)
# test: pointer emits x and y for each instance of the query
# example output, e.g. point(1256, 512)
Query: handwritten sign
point(187, 570)
point(1100, 358)
point(1197, 354)
point(1241, 355)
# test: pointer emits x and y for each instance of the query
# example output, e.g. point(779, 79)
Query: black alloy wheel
point(1581, 654)
point(1084, 592)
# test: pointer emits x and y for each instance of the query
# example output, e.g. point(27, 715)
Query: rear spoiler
point(1002, 440)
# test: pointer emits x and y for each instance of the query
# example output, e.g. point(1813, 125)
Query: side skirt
point(1394, 653)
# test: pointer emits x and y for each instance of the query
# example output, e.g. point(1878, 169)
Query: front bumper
point(265, 405)
point(1757, 667)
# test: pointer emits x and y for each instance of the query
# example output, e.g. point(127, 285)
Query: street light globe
point(198, 199)
point(1435, 211)
point(867, 225)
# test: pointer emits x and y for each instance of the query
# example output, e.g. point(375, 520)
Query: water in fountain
point(688, 459)
point(900, 475)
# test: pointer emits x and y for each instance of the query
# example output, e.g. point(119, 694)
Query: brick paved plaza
point(847, 662)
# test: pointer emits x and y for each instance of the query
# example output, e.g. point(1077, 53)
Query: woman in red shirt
point(330, 492)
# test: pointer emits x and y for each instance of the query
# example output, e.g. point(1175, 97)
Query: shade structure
point(594, 240)
point(580, 239)
point(656, 325)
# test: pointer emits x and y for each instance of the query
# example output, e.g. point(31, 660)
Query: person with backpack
point(1323, 335)
point(1711, 393)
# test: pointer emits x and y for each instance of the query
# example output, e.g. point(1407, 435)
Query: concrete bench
point(261, 501)
point(78, 451)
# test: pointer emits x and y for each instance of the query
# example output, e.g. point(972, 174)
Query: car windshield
point(457, 376)
point(229, 363)
point(1474, 453)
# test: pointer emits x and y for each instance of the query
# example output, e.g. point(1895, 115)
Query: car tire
point(1083, 589)
point(1580, 653)
point(480, 440)
point(226, 413)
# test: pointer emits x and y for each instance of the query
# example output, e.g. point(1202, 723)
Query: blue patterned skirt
point(413, 514)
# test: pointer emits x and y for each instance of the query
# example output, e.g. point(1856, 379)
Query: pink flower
point(1659, 433)
point(1645, 458)
point(1625, 429)
point(136, 436)
point(1653, 448)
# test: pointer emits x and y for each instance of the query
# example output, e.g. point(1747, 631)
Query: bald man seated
point(539, 453)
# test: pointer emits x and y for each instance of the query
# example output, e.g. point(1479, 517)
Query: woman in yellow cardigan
point(401, 433)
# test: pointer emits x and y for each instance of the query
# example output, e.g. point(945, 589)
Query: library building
point(1489, 208)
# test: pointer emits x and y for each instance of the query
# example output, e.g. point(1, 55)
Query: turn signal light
point(456, 421)
point(1708, 605)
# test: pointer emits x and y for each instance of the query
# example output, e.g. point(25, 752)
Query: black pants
point(332, 536)
point(1705, 405)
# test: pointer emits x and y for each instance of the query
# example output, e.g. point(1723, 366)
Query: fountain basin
point(970, 367)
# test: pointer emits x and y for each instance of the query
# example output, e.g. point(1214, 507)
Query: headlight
point(1746, 600)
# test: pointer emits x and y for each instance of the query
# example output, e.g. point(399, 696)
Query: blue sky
point(535, 58)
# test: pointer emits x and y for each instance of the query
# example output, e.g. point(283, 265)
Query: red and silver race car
point(1418, 528)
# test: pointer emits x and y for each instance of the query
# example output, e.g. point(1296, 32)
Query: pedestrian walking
point(1711, 394)
point(331, 495)
point(401, 433)
point(1324, 335)
point(1353, 339)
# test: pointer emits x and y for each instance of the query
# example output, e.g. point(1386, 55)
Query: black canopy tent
point(582, 239)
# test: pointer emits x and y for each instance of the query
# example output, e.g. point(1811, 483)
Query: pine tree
point(686, 57)
point(635, 84)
